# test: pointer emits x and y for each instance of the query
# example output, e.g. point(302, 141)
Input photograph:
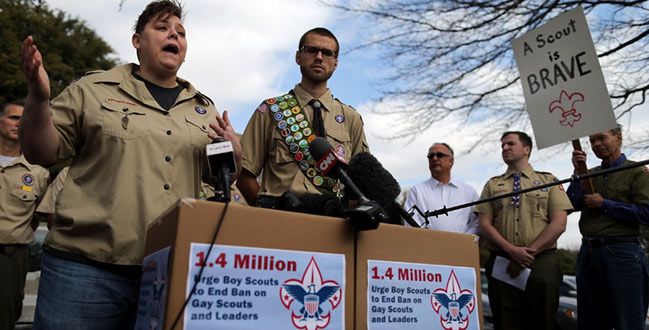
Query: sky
point(242, 52)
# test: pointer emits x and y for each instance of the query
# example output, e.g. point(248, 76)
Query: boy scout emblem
point(28, 179)
point(340, 118)
point(200, 110)
point(296, 130)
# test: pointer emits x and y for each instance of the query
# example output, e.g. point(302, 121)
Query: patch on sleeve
point(263, 108)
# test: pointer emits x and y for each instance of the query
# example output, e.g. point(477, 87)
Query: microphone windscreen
point(319, 147)
point(372, 179)
point(326, 204)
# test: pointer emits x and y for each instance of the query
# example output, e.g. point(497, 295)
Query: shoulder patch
point(343, 103)
point(546, 173)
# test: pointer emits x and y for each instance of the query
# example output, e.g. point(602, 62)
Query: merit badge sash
point(297, 132)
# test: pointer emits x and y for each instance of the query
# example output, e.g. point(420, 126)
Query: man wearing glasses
point(276, 139)
point(443, 190)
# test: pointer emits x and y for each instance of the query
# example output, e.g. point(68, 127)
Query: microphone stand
point(573, 178)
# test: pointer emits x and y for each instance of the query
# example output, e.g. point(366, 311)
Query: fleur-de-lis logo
point(566, 103)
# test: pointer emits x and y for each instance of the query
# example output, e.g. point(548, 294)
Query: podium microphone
point(222, 165)
point(369, 213)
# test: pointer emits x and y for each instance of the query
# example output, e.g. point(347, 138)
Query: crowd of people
point(135, 138)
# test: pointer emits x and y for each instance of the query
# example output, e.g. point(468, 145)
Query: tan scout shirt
point(522, 225)
point(48, 203)
point(131, 161)
point(22, 185)
point(265, 149)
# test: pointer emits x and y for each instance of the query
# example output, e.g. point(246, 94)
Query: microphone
point(369, 213)
point(326, 204)
point(221, 165)
point(379, 185)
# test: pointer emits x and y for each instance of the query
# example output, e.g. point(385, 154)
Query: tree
point(69, 46)
point(452, 60)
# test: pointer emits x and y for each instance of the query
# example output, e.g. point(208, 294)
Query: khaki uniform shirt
point(265, 152)
point(48, 203)
point(522, 225)
point(22, 185)
point(131, 160)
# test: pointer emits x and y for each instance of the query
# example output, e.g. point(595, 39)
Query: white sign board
point(564, 88)
point(257, 288)
point(412, 296)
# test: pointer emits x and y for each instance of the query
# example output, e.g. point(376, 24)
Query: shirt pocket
point(23, 196)
point(538, 205)
point(282, 153)
point(197, 133)
point(341, 142)
point(124, 121)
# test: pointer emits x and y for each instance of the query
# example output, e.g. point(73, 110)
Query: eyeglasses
point(439, 155)
point(313, 52)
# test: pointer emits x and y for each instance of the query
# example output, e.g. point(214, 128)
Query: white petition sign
point(564, 88)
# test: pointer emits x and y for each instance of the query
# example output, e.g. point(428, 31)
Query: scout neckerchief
point(297, 133)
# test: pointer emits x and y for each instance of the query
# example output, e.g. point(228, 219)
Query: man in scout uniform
point(21, 187)
point(136, 135)
point(612, 274)
point(524, 230)
point(277, 137)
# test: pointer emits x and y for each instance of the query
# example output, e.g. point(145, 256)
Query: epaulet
point(541, 172)
point(496, 177)
point(343, 103)
point(89, 73)
point(205, 98)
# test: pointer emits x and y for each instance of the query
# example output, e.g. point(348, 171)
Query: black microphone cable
point(197, 279)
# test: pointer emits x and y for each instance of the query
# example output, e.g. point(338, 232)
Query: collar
point(526, 171)
point(22, 161)
point(616, 162)
point(303, 97)
point(435, 182)
point(123, 75)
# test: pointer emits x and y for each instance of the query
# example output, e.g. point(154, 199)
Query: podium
point(272, 269)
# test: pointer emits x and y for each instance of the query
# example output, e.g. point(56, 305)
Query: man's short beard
point(315, 78)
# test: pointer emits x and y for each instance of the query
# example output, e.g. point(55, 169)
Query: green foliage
point(568, 261)
point(69, 47)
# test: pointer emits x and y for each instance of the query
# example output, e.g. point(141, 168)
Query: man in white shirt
point(443, 190)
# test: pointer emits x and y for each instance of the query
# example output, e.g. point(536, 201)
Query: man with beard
point(523, 229)
point(277, 137)
point(612, 273)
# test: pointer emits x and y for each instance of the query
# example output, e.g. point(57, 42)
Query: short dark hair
point(157, 9)
point(5, 105)
point(525, 139)
point(617, 130)
point(321, 32)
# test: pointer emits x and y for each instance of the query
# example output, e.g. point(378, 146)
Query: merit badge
point(304, 165)
point(295, 128)
point(303, 144)
point(299, 156)
point(288, 96)
point(285, 132)
point(307, 131)
point(293, 148)
point(300, 117)
point(340, 118)
point(303, 124)
point(262, 108)
point(289, 139)
point(278, 116)
point(287, 113)
point(318, 180)
point(281, 124)
point(311, 138)
point(271, 101)
point(283, 105)
point(290, 120)
point(200, 110)
point(279, 98)
point(310, 172)
point(292, 102)
point(297, 135)
point(295, 110)
point(274, 108)
point(28, 179)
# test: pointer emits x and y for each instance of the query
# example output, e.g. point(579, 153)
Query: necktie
point(317, 122)
point(516, 199)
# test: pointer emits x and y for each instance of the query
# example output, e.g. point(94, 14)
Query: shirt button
point(168, 132)
point(516, 234)
point(168, 158)
point(166, 186)
point(517, 220)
